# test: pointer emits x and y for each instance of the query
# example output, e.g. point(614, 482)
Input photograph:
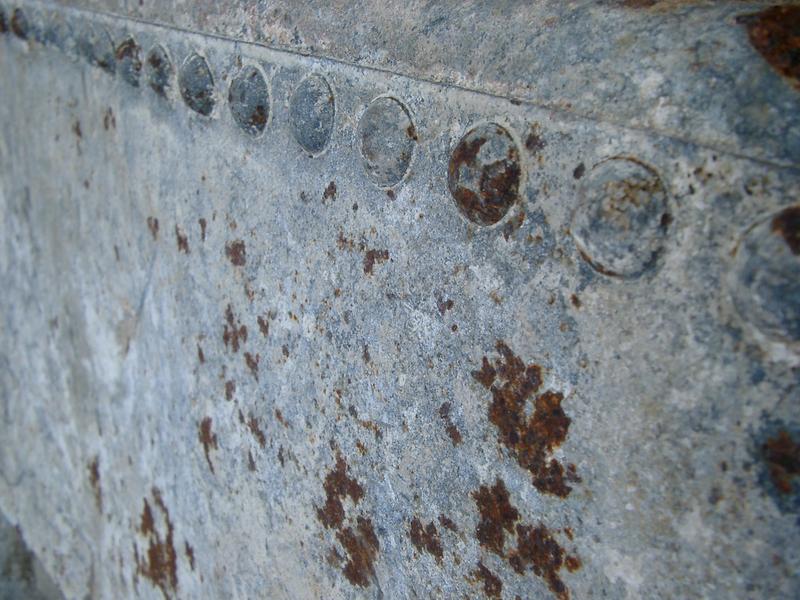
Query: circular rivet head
point(197, 85)
point(129, 61)
point(248, 98)
point(622, 219)
point(484, 174)
point(19, 24)
point(387, 137)
point(158, 70)
point(765, 286)
point(311, 113)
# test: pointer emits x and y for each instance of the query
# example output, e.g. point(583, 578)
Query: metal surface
point(499, 302)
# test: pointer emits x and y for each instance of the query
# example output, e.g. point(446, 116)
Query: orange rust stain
point(447, 523)
point(252, 424)
point(252, 363)
point(159, 565)
point(338, 486)
point(530, 440)
point(208, 439)
point(233, 333)
point(236, 252)
point(330, 192)
point(497, 516)
point(426, 538)
point(183, 241)
point(492, 586)
point(452, 430)
point(362, 548)
point(373, 256)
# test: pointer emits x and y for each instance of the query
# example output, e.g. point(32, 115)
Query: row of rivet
point(619, 226)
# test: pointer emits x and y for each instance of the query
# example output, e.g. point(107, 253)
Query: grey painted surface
point(198, 321)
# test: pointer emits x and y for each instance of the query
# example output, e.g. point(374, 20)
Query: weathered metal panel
point(500, 302)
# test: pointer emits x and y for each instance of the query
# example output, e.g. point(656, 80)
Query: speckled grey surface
point(236, 366)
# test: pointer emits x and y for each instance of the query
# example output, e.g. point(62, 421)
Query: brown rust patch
point(530, 439)
point(371, 257)
point(189, 554)
point(538, 550)
point(337, 487)
point(787, 222)
point(159, 564)
point(203, 225)
point(255, 429)
point(263, 325)
point(452, 430)
point(94, 479)
point(236, 253)
point(534, 142)
point(782, 455)
point(330, 192)
point(513, 225)
point(498, 516)
point(576, 302)
point(447, 523)
point(443, 305)
point(775, 34)
point(207, 439)
point(152, 225)
point(230, 389)
point(182, 240)
point(252, 363)
point(579, 171)
point(492, 586)
point(426, 538)
point(233, 332)
point(362, 548)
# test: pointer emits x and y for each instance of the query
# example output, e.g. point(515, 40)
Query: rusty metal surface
point(503, 303)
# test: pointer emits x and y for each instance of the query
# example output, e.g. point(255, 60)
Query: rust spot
point(373, 256)
point(411, 132)
point(513, 224)
point(263, 325)
point(576, 302)
point(94, 479)
point(109, 120)
point(252, 363)
point(189, 554)
point(208, 439)
point(159, 565)
point(365, 355)
point(330, 192)
point(538, 550)
point(203, 225)
point(787, 222)
point(579, 171)
point(279, 416)
point(280, 456)
point(233, 332)
point(285, 351)
point(152, 225)
point(200, 356)
point(782, 455)
point(447, 523)
point(390, 194)
point(76, 129)
point(230, 389)
point(775, 34)
point(426, 538)
point(252, 424)
point(251, 464)
point(534, 141)
point(362, 449)
point(497, 516)
point(338, 486)
point(492, 586)
point(443, 305)
point(452, 430)
point(183, 241)
point(235, 251)
point(530, 440)
point(362, 548)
